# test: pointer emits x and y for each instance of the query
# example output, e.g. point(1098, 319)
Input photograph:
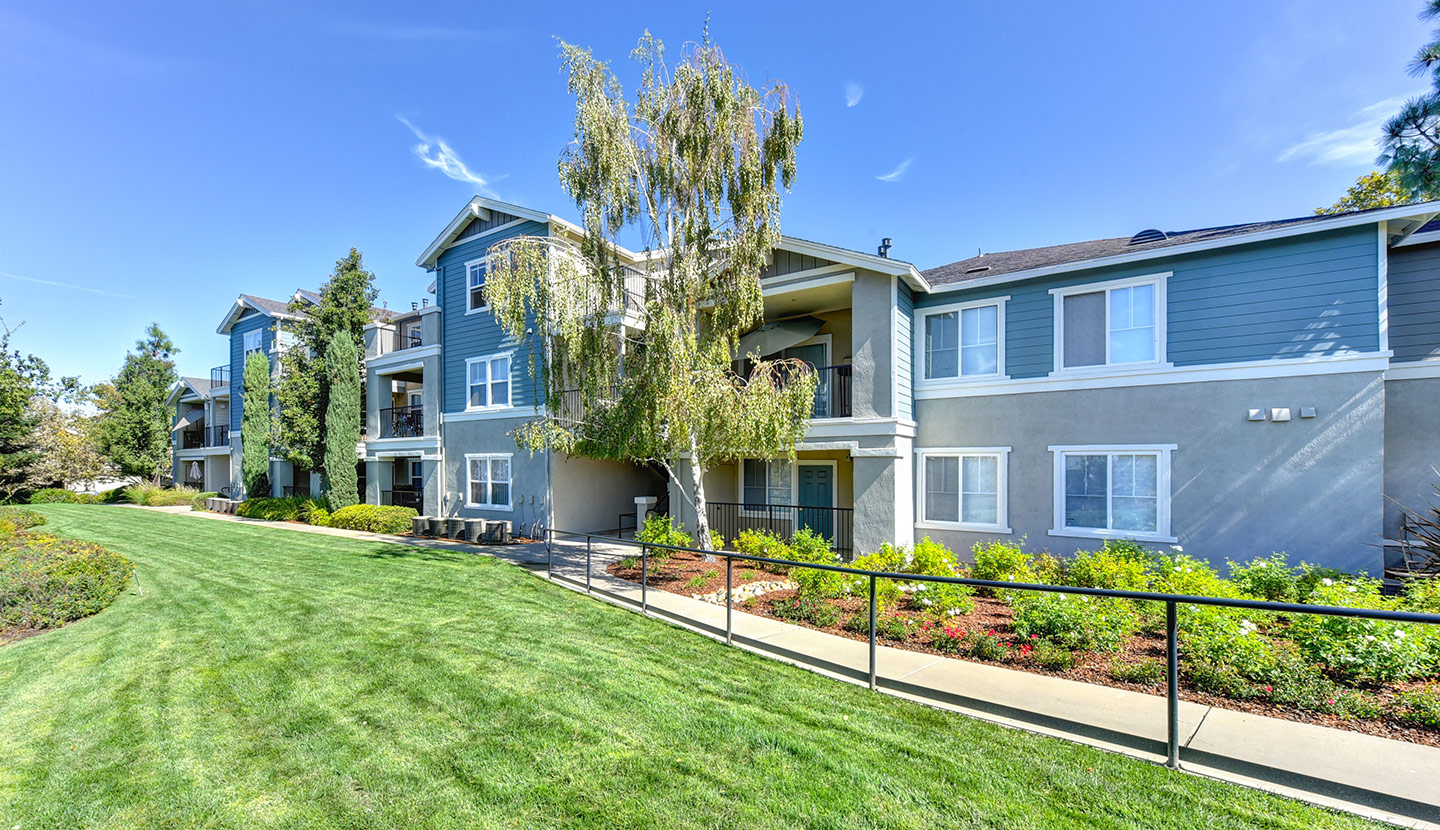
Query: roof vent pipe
point(424, 302)
point(884, 249)
point(414, 306)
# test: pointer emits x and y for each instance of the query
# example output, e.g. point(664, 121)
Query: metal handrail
point(1172, 601)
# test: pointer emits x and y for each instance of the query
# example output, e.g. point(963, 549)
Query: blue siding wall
point(1414, 277)
point(904, 345)
point(266, 325)
point(474, 335)
point(1306, 296)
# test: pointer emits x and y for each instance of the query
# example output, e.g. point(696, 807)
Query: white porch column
point(643, 505)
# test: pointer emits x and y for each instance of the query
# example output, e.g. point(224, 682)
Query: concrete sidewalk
point(1389, 780)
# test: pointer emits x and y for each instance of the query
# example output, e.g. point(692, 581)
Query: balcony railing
point(832, 392)
point(217, 436)
point(219, 376)
point(192, 439)
point(408, 339)
point(404, 497)
point(834, 523)
point(402, 422)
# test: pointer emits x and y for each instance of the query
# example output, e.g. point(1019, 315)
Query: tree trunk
point(697, 483)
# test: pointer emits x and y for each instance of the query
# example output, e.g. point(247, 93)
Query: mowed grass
point(274, 678)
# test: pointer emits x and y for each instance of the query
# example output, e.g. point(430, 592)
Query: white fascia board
point(479, 208)
point(884, 265)
point(1423, 212)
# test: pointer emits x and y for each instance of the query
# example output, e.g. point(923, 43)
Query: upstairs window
point(474, 285)
point(252, 342)
point(962, 341)
point(488, 381)
point(1114, 324)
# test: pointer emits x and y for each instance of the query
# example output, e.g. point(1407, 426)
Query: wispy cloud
point(854, 91)
point(407, 33)
point(438, 155)
point(66, 285)
point(1355, 144)
point(898, 173)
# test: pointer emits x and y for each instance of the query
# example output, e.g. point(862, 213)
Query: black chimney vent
point(884, 249)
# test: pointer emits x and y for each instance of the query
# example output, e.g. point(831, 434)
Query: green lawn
point(273, 678)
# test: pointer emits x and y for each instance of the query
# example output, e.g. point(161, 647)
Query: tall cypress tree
point(255, 426)
point(342, 420)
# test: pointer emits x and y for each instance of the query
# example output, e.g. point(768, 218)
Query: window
point(417, 475)
point(765, 482)
point(963, 341)
point(474, 285)
point(1113, 491)
point(964, 488)
point(489, 481)
point(1111, 324)
point(488, 382)
point(252, 342)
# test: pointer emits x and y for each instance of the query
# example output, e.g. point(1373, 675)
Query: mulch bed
point(689, 575)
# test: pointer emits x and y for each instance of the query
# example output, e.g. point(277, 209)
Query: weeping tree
point(1410, 143)
point(343, 414)
point(693, 168)
point(255, 426)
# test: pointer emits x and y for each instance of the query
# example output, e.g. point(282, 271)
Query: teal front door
point(817, 496)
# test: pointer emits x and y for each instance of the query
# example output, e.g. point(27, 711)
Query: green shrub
point(153, 495)
point(46, 581)
point(1074, 622)
point(373, 518)
point(817, 612)
point(320, 517)
point(888, 559)
point(1312, 577)
point(18, 518)
point(1357, 649)
point(198, 503)
point(1048, 655)
point(1269, 578)
point(1048, 569)
point(984, 646)
point(1000, 561)
point(285, 509)
point(1118, 565)
point(895, 627)
point(1147, 672)
point(55, 495)
point(1419, 706)
point(809, 546)
point(763, 543)
point(947, 637)
point(662, 530)
point(1422, 595)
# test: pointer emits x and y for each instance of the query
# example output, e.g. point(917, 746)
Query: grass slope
point(273, 678)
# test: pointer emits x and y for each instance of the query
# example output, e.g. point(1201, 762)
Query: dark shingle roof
point(266, 305)
point(201, 385)
point(1008, 262)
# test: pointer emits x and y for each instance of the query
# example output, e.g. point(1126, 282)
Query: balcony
point(402, 422)
point(192, 439)
point(196, 438)
point(834, 523)
point(217, 436)
point(410, 339)
point(404, 497)
point(832, 392)
point(219, 376)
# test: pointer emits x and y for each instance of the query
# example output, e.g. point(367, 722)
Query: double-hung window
point(962, 341)
point(488, 382)
point(765, 482)
point(252, 342)
point(964, 488)
point(1120, 323)
point(474, 285)
point(1113, 491)
point(489, 482)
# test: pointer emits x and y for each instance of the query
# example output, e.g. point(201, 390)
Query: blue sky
point(157, 160)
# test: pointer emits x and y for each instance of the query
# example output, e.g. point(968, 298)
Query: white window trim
point(1002, 484)
point(1162, 490)
point(484, 260)
point(489, 381)
point(487, 457)
point(245, 349)
point(794, 483)
point(1160, 281)
point(917, 336)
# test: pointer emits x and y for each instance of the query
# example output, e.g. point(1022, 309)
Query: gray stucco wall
point(590, 494)
point(871, 342)
point(1309, 487)
point(1412, 448)
point(529, 495)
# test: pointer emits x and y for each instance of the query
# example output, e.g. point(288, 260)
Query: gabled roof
point(199, 386)
point(1008, 266)
point(482, 209)
point(268, 307)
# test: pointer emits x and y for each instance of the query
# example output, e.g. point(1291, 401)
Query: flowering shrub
point(987, 646)
point(1270, 578)
point(1364, 650)
point(372, 518)
point(895, 627)
point(1074, 622)
point(15, 518)
point(808, 546)
point(1147, 672)
point(662, 530)
point(1000, 561)
point(887, 559)
point(1048, 655)
point(1422, 595)
point(1419, 706)
point(1118, 565)
point(817, 612)
point(47, 581)
point(944, 637)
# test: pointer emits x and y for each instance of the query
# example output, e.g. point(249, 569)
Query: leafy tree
point(23, 378)
point(342, 420)
point(347, 301)
point(1372, 190)
point(1410, 143)
point(695, 168)
point(135, 420)
point(69, 445)
point(255, 426)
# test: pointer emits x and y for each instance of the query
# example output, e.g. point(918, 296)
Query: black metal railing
point(402, 422)
point(408, 340)
point(834, 523)
point(217, 436)
point(403, 497)
point(291, 490)
point(1171, 601)
point(192, 439)
point(832, 392)
point(219, 376)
